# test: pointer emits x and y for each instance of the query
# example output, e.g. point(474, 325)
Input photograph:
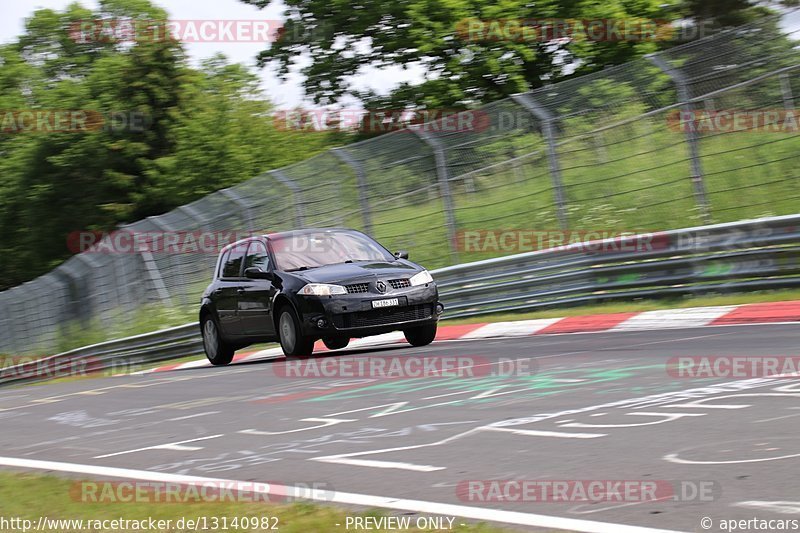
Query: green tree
point(198, 130)
point(461, 66)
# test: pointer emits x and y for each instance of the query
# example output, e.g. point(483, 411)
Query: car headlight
point(322, 289)
point(421, 278)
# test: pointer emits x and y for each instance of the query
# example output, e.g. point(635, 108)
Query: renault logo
point(381, 286)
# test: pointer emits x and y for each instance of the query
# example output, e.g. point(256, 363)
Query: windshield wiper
point(304, 267)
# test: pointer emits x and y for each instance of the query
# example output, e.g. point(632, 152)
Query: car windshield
point(312, 250)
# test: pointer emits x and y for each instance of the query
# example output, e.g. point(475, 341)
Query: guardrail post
point(786, 91)
point(527, 102)
point(685, 98)
point(296, 191)
point(361, 181)
point(443, 176)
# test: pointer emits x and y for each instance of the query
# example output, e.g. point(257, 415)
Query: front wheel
point(219, 352)
point(421, 335)
point(293, 342)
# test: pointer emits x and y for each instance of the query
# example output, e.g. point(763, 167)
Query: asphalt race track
point(599, 406)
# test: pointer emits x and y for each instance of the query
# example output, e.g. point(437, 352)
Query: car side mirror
point(401, 254)
point(257, 273)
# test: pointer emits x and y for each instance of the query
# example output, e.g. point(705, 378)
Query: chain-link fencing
point(643, 146)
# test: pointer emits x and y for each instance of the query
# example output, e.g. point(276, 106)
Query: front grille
point(381, 317)
point(357, 288)
point(399, 283)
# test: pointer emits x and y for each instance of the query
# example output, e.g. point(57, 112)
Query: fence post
point(685, 98)
point(296, 191)
point(527, 102)
point(194, 214)
point(443, 176)
point(234, 197)
point(8, 342)
point(361, 180)
point(150, 266)
point(786, 91)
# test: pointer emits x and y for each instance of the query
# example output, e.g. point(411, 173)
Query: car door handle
point(240, 290)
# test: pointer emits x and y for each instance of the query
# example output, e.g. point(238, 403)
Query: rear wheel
point(293, 342)
point(219, 352)
point(421, 335)
point(336, 343)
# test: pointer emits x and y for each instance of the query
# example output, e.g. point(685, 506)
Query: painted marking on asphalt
point(537, 433)
point(187, 417)
point(325, 423)
point(673, 458)
point(345, 498)
point(780, 506)
point(180, 448)
point(381, 464)
point(674, 318)
point(664, 418)
point(517, 328)
point(168, 446)
point(777, 418)
point(448, 394)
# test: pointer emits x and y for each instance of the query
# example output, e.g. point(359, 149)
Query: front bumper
point(354, 316)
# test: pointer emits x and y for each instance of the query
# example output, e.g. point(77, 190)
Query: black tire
point(219, 352)
point(336, 343)
point(421, 335)
point(293, 343)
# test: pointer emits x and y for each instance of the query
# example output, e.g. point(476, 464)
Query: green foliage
point(463, 65)
point(200, 129)
point(468, 51)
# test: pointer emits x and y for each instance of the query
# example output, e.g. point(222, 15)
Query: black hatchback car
point(299, 286)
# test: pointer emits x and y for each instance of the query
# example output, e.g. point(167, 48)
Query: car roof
point(282, 235)
point(292, 233)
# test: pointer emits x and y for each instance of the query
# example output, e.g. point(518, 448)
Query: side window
point(257, 256)
point(233, 263)
point(222, 263)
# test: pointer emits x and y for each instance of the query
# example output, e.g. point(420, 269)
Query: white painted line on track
point(381, 464)
point(537, 433)
point(187, 417)
point(176, 446)
point(345, 498)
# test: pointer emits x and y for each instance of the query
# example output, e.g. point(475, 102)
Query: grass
point(30, 496)
point(748, 175)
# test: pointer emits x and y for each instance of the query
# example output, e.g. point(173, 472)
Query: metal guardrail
point(118, 354)
point(733, 257)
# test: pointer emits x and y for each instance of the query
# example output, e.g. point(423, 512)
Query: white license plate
point(389, 302)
